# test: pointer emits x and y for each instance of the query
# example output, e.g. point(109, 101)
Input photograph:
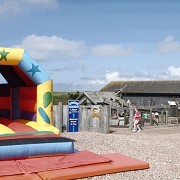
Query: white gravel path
point(160, 150)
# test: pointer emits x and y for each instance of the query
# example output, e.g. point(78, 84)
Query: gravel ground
point(160, 147)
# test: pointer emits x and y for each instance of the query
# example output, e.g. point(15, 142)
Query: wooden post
point(131, 115)
point(166, 118)
point(65, 115)
point(104, 119)
point(151, 121)
point(162, 117)
point(57, 114)
point(142, 119)
point(84, 123)
point(80, 117)
point(125, 117)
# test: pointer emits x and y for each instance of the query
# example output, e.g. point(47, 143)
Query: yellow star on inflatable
point(3, 55)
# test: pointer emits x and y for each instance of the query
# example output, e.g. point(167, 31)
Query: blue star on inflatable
point(34, 69)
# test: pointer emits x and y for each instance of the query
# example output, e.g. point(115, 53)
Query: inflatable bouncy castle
point(30, 146)
point(27, 97)
point(26, 109)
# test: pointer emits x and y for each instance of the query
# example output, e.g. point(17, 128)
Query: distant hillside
point(63, 97)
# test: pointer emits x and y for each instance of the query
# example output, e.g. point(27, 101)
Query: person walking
point(136, 121)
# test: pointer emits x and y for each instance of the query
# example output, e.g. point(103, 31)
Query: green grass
point(61, 97)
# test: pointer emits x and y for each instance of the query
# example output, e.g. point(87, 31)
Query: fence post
point(162, 116)
point(166, 118)
point(131, 115)
point(142, 118)
point(57, 116)
point(125, 117)
point(83, 120)
point(151, 119)
point(65, 115)
point(104, 120)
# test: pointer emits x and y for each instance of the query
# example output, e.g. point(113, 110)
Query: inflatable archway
point(27, 96)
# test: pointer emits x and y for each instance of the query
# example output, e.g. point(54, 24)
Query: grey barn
point(146, 93)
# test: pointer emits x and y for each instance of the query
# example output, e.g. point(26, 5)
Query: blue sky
point(85, 44)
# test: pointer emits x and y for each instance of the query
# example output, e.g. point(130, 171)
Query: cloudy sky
point(85, 44)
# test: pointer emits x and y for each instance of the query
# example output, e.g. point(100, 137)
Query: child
point(137, 120)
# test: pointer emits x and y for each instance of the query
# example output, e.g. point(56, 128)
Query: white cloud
point(168, 45)
point(16, 6)
point(42, 47)
point(96, 81)
point(116, 76)
point(173, 71)
point(9, 7)
point(144, 73)
point(109, 76)
point(136, 78)
point(111, 50)
point(97, 84)
point(112, 76)
point(41, 2)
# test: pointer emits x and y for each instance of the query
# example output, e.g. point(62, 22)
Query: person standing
point(157, 116)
